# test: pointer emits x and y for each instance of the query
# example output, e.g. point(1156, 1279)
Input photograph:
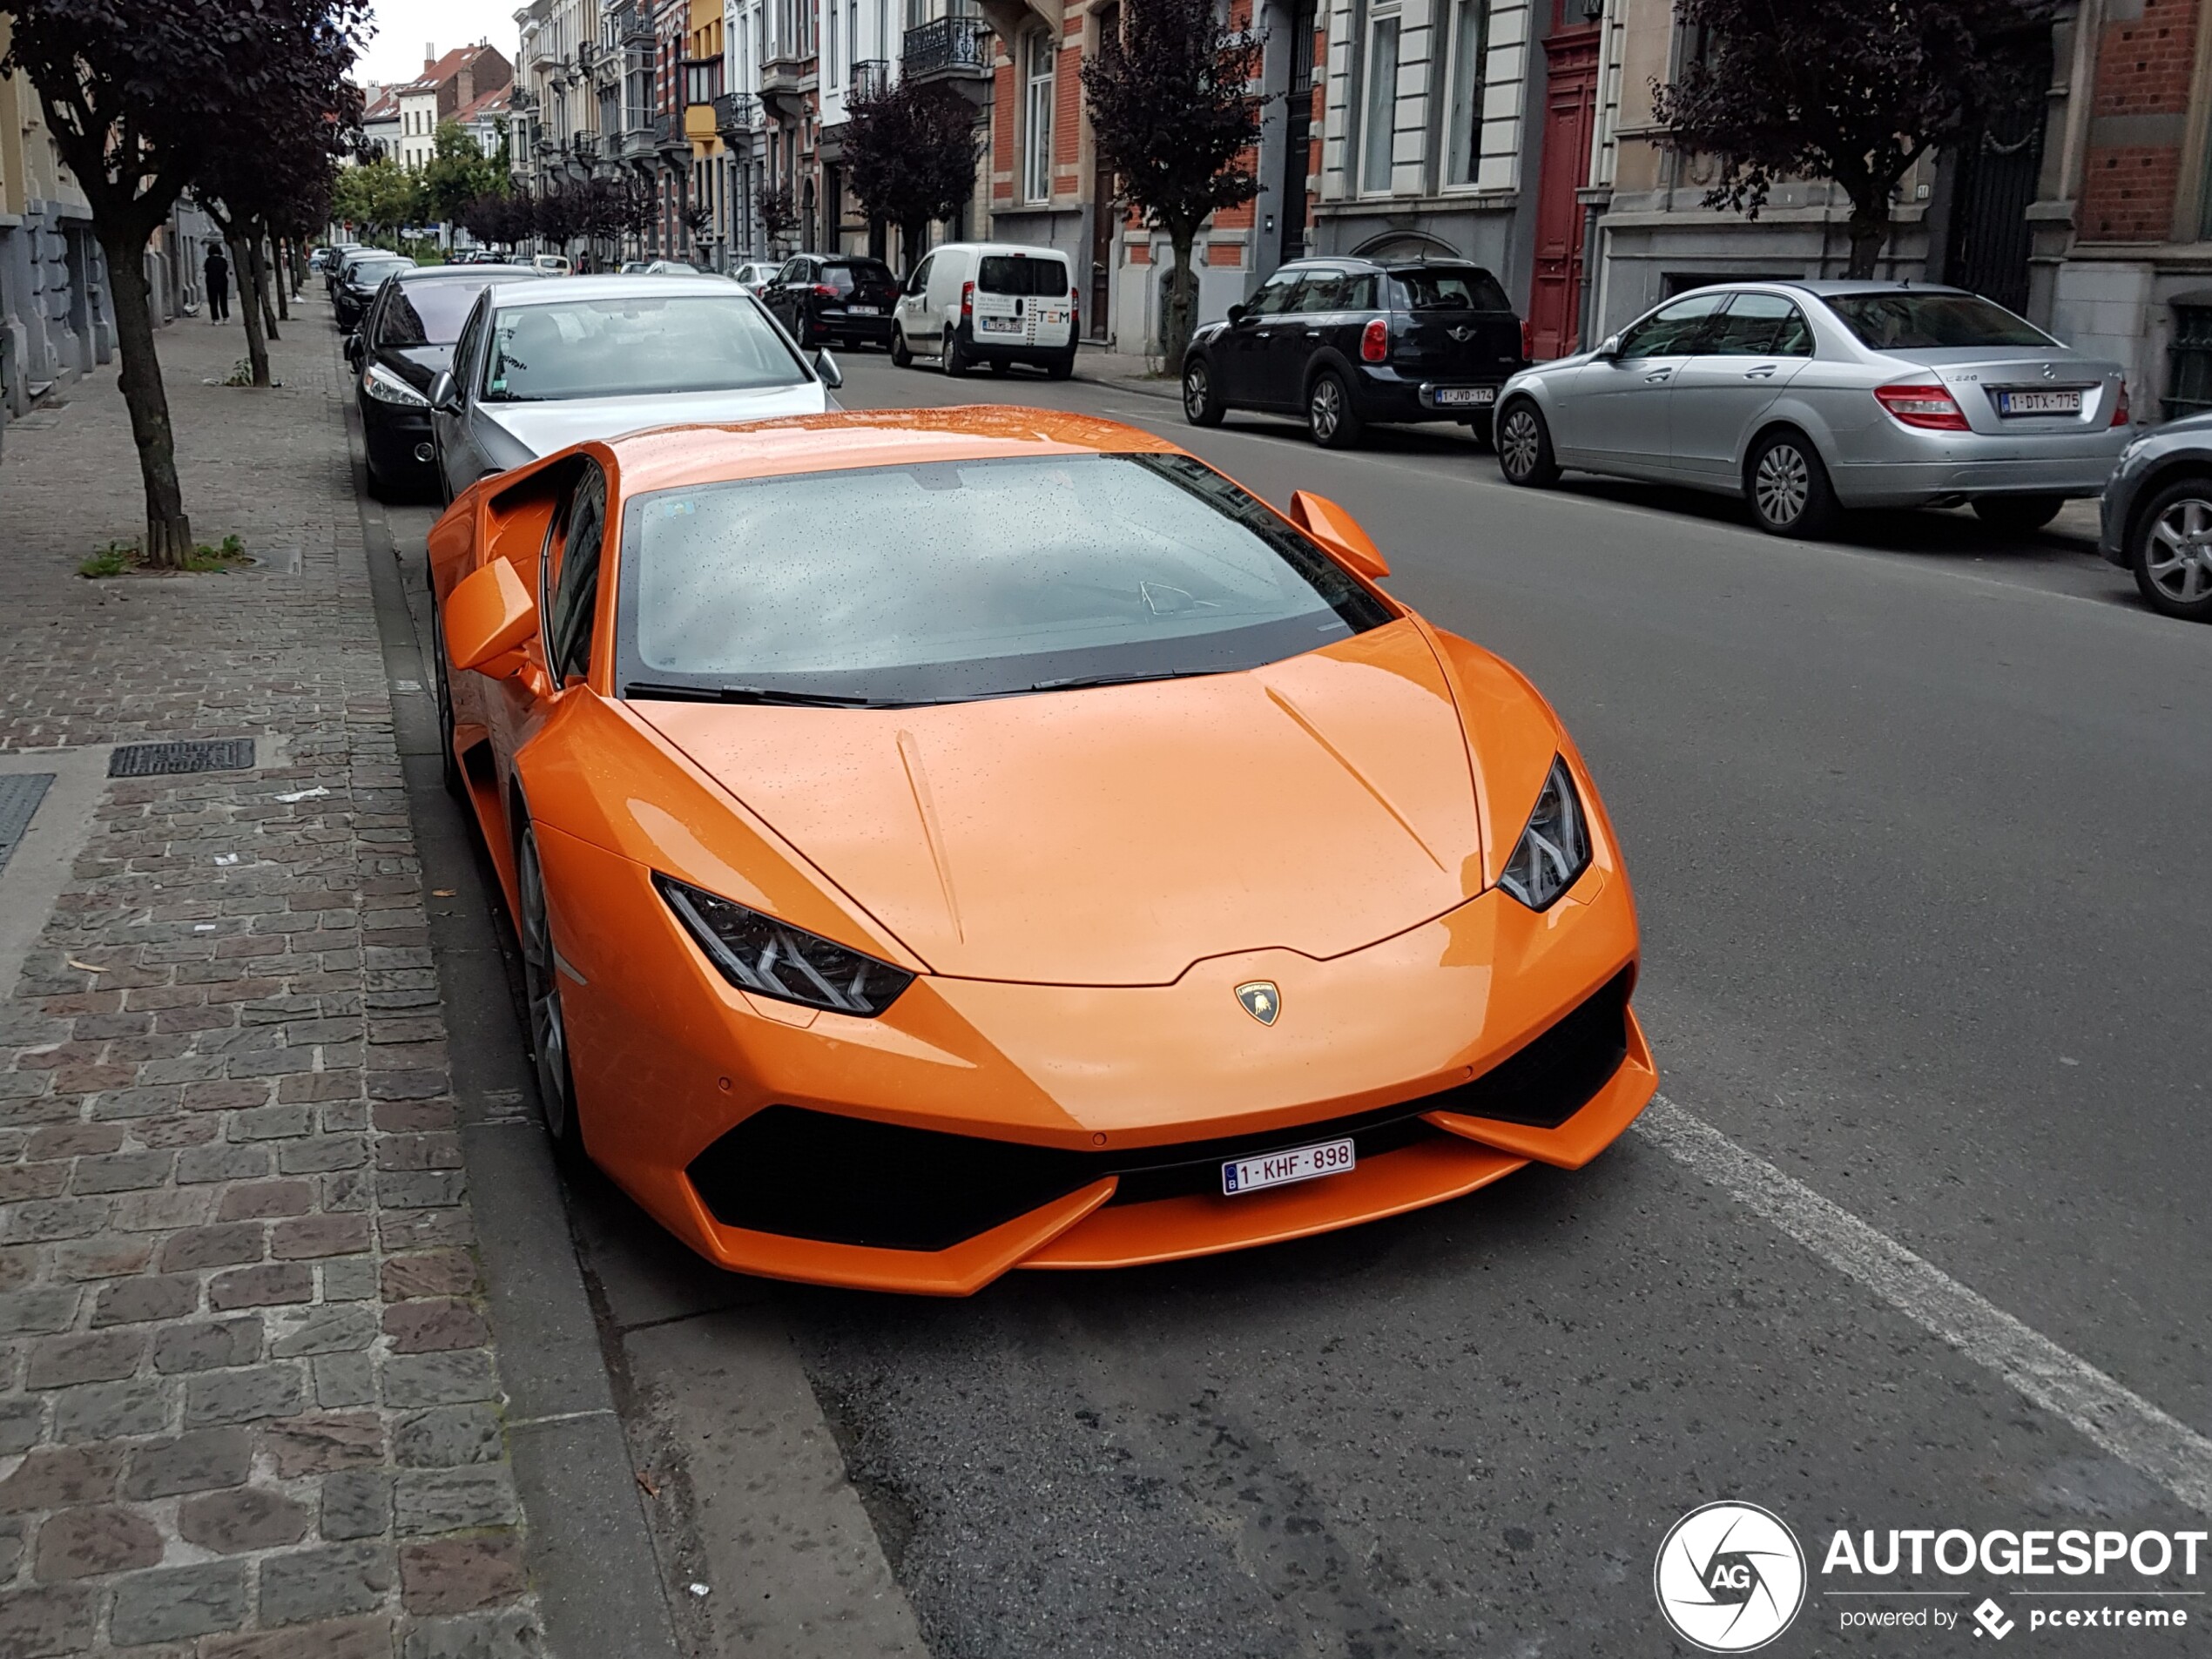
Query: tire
point(805, 332)
point(542, 992)
point(1483, 430)
point(1524, 442)
point(955, 355)
point(2019, 514)
point(1202, 404)
point(1060, 368)
point(1330, 414)
point(1788, 487)
point(2169, 549)
point(900, 357)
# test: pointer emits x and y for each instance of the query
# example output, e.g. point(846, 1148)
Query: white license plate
point(999, 325)
point(863, 311)
point(1449, 396)
point(1277, 1169)
point(2065, 402)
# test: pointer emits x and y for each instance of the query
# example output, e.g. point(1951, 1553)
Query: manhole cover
point(152, 760)
point(20, 793)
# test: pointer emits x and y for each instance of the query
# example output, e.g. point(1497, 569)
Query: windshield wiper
point(1084, 682)
point(745, 694)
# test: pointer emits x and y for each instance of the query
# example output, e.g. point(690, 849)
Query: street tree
point(1843, 90)
point(458, 172)
point(778, 217)
point(377, 197)
point(910, 154)
point(1175, 120)
point(136, 91)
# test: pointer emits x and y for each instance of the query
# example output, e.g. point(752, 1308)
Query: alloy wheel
point(1325, 412)
point(1195, 390)
point(2177, 559)
point(1782, 484)
point(542, 990)
point(1519, 444)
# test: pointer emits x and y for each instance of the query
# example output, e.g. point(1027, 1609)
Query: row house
point(452, 87)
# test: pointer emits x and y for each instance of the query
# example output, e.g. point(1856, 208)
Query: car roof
point(1032, 250)
point(673, 456)
point(434, 272)
point(1826, 287)
point(615, 286)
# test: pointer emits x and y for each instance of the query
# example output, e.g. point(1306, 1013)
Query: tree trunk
point(914, 242)
point(1183, 299)
point(280, 255)
point(1870, 230)
point(168, 539)
point(259, 247)
point(249, 310)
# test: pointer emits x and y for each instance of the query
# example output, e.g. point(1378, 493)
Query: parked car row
point(463, 370)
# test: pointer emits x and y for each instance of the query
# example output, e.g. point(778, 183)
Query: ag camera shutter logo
point(1729, 1577)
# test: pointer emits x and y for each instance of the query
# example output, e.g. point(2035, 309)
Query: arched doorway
point(1406, 245)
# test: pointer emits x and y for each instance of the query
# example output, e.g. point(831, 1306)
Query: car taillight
point(967, 301)
point(1074, 312)
point(1925, 404)
point(1374, 340)
point(825, 291)
point(2120, 409)
point(1527, 340)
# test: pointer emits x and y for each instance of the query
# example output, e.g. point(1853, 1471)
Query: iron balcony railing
point(943, 44)
point(584, 146)
point(668, 131)
point(736, 112)
point(871, 78)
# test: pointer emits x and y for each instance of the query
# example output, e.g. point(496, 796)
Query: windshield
point(1019, 275)
point(1908, 322)
point(635, 346)
point(370, 272)
point(1467, 289)
point(427, 314)
point(943, 581)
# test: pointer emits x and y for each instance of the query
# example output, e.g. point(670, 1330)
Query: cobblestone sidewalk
point(248, 1403)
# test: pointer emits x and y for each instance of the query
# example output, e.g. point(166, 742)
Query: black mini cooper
point(1348, 341)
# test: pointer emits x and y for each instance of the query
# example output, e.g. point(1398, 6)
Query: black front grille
point(851, 1181)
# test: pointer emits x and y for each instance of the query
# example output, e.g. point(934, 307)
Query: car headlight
point(771, 958)
point(1553, 849)
point(387, 388)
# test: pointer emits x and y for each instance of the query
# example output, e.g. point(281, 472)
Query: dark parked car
point(2158, 516)
point(1347, 342)
point(403, 342)
point(824, 298)
point(358, 283)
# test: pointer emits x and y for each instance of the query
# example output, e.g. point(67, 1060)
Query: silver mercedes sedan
point(1809, 397)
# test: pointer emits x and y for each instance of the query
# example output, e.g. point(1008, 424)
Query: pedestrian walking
point(216, 268)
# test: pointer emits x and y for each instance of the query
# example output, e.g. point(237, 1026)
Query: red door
point(1570, 108)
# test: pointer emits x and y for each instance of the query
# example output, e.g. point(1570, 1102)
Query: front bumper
point(393, 432)
point(1123, 1092)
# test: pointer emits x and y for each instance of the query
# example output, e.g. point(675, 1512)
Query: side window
point(1274, 295)
point(918, 282)
point(575, 586)
point(1674, 329)
point(1760, 325)
point(1322, 291)
point(464, 354)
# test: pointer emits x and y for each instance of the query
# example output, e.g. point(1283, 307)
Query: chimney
point(430, 56)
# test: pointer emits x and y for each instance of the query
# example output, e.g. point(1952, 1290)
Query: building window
point(1470, 44)
point(1382, 104)
point(1037, 138)
point(836, 62)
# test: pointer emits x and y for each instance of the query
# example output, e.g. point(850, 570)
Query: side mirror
point(826, 366)
point(1609, 348)
point(489, 616)
point(354, 349)
point(1238, 313)
point(1339, 532)
point(445, 393)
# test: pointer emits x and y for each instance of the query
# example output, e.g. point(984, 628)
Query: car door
point(1241, 349)
point(1754, 349)
point(1320, 316)
point(781, 294)
point(1616, 406)
point(568, 583)
point(458, 462)
point(914, 320)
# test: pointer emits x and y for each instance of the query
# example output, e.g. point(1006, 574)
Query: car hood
point(1114, 836)
point(543, 428)
point(418, 365)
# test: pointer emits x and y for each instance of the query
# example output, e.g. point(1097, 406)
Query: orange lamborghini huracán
point(947, 841)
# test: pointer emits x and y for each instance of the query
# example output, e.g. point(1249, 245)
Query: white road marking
point(2112, 1415)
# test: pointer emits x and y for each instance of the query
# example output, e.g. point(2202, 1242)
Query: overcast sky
point(404, 27)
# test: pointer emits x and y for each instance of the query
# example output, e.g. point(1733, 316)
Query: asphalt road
point(1918, 821)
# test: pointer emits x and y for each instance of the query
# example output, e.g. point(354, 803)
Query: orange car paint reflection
point(1080, 879)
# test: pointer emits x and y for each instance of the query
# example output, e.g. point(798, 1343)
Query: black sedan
point(826, 298)
point(406, 339)
point(2158, 517)
point(1347, 342)
point(358, 283)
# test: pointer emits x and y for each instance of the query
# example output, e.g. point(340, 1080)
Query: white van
point(551, 264)
point(1000, 303)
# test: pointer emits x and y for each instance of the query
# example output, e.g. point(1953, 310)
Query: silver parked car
point(1808, 397)
point(543, 365)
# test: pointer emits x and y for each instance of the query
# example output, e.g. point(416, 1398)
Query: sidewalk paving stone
point(248, 1403)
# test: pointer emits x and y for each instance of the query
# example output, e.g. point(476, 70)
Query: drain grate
point(20, 793)
point(154, 760)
